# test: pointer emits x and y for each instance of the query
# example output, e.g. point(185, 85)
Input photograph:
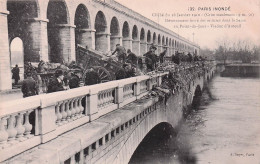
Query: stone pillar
point(160, 48)
point(114, 40)
point(172, 51)
point(168, 51)
point(102, 41)
point(143, 47)
point(92, 102)
point(63, 43)
point(157, 50)
point(5, 67)
point(37, 41)
point(136, 47)
point(85, 37)
point(127, 43)
point(148, 46)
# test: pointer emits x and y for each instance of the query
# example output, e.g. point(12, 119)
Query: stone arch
point(129, 147)
point(101, 39)
point(154, 41)
point(82, 31)
point(135, 33)
point(136, 42)
point(163, 41)
point(169, 52)
point(126, 30)
point(58, 27)
point(82, 18)
point(161, 131)
point(159, 39)
point(154, 38)
point(126, 36)
point(17, 54)
point(142, 35)
point(143, 44)
point(115, 33)
point(149, 37)
point(21, 24)
point(196, 97)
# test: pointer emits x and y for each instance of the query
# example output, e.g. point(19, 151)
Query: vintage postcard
point(130, 81)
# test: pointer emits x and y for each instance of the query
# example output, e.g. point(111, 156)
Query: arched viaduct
point(50, 30)
point(112, 137)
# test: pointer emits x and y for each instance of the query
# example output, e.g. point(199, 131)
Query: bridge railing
point(28, 122)
point(18, 126)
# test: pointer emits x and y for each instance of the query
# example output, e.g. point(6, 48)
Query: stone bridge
point(49, 30)
point(103, 123)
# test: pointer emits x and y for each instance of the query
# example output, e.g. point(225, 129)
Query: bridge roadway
point(108, 129)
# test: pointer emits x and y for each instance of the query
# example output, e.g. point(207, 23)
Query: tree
point(222, 50)
point(239, 50)
point(206, 52)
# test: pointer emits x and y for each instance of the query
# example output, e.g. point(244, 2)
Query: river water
point(225, 129)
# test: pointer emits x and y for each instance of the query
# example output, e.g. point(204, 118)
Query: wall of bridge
point(50, 30)
point(100, 132)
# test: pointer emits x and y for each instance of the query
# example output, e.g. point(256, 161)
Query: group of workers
point(130, 62)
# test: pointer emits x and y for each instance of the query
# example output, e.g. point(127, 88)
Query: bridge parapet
point(28, 122)
point(56, 113)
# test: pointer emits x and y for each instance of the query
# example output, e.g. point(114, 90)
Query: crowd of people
point(130, 65)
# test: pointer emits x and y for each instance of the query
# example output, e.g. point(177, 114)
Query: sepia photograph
point(129, 82)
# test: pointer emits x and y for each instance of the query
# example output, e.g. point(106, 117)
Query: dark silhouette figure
point(92, 77)
point(29, 86)
point(16, 75)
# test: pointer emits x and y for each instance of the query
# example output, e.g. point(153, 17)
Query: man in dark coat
point(151, 58)
point(129, 70)
point(29, 86)
point(176, 58)
point(56, 83)
point(121, 53)
point(196, 58)
point(16, 75)
point(74, 81)
point(92, 77)
point(120, 74)
point(131, 58)
point(190, 58)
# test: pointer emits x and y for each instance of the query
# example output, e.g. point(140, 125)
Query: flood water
point(225, 129)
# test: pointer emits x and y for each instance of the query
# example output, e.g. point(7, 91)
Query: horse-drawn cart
point(106, 67)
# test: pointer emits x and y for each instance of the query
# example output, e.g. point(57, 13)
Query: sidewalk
point(9, 95)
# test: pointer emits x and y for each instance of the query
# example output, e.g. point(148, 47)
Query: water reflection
point(225, 129)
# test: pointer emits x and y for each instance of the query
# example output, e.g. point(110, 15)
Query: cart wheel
point(103, 74)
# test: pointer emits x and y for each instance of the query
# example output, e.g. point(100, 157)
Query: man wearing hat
point(16, 75)
point(129, 70)
point(56, 83)
point(29, 86)
point(151, 58)
point(121, 53)
point(92, 77)
point(131, 58)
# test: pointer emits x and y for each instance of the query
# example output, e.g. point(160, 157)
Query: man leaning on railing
point(56, 83)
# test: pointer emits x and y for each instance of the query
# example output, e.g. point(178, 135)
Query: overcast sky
point(205, 37)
